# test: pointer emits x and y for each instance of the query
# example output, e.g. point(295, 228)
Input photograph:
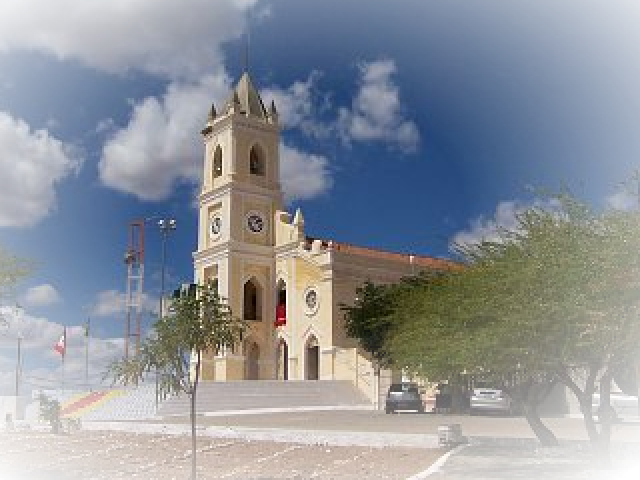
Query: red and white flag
point(61, 346)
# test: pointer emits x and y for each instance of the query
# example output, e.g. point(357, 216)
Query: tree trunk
point(543, 433)
point(530, 395)
point(606, 416)
point(193, 418)
point(600, 440)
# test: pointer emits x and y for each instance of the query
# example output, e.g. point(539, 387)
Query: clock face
point(215, 227)
point(255, 222)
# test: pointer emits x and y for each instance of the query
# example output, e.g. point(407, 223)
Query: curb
point(509, 442)
point(437, 465)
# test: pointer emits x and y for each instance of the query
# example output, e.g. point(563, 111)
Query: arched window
point(252, 301)
point(217, 162)
point(256, 161)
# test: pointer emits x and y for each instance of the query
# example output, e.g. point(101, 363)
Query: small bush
point(50, 412)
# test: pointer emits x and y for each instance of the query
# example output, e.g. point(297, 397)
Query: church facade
point(287, 285)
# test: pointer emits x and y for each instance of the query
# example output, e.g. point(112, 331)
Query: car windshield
point(403, 387)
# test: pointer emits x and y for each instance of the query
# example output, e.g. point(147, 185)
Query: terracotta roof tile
point(420, 260)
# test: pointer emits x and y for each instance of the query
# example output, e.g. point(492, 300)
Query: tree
point(555, 297)
point(196, 324)
point(12, 270)
point(370, 320)
point(463, 324)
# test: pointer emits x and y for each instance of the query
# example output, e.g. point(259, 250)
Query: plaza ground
point(314, 444)
point(488, 426)
point(98, 455)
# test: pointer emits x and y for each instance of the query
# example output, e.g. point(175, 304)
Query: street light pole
point(17, 317)
point(19, 361)
point(166, 225)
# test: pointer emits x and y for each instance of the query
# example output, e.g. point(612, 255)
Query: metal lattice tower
point(134, 259)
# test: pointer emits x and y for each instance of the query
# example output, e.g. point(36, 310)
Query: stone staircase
point(134, 403)
point(218, 397)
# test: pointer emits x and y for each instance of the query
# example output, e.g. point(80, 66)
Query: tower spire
point(246, 51)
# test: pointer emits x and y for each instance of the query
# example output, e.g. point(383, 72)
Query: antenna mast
point(134, 259)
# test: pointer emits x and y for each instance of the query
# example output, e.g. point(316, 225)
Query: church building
point(287, 285)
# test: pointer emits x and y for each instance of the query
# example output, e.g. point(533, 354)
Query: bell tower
point(240, 196)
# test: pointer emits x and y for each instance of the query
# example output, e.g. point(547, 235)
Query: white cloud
point(42, 366)
point(32, 164)
point(36, 332)
point(622, 200)
point(503, 219)
point(303, 175)
point(176, 38)
point(376, 111)
point(483, 228)
point(111, 303)
point(295, 106)
point(161, 145)
point(41, 296)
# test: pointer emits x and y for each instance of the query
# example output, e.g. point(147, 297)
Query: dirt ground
point(84, 455)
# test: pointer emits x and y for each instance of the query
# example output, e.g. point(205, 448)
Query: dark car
point(404, 397)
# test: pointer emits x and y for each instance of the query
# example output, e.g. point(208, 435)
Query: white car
point(490, 400)
point(623, 405)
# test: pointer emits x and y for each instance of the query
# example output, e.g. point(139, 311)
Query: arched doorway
point(282, 364)
point(253, 361)
point(312, 359)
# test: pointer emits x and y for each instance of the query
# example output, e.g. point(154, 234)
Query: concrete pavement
point(500, 448)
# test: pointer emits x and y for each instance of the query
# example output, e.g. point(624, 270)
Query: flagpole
point(61, 348)
point(64, 354)
point(86, 365)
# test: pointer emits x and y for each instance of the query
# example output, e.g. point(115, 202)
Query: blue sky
point(407, 124)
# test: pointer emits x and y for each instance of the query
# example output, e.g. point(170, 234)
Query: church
point(288, 286)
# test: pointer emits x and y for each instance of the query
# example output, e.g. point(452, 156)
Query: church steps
point(256, 394)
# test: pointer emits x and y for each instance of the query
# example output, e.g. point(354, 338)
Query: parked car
point(404, 397)
point(490, 400)
point(623, 405)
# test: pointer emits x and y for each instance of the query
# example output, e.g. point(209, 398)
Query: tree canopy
point(12, 270)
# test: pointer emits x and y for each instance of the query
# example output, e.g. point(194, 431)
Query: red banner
point(281, 315)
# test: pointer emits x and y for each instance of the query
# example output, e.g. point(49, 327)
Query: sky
point(407, 125)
